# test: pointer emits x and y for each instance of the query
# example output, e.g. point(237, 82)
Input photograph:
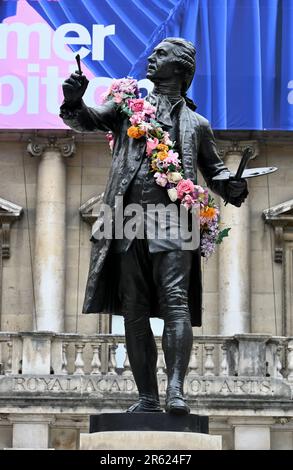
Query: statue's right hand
point(74, 88)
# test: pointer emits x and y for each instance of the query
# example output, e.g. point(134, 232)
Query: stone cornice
point(29, 134)
point(9, 209)
point(23, 135)
point(260, 136)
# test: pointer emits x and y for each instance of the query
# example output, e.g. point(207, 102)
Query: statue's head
point(172, 57)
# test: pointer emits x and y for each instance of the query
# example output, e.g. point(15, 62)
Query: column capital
point(66, 147)
point(237, 147)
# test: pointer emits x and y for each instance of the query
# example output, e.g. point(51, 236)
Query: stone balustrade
point(65, 366)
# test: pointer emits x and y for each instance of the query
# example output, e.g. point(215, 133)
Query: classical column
point(50, 233)
point(234, 254)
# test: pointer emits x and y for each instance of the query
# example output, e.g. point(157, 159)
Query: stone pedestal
point(148, 422)
point(149, 440)
point(147, 431)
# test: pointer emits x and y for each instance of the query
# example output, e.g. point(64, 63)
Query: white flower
point(172, 193)
point(174, 176)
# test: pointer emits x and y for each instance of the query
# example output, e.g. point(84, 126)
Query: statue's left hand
point(236, 191)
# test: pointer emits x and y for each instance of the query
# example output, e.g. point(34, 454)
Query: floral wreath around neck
point(165, 163)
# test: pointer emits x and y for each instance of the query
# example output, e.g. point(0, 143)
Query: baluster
point(96, 363)
point(9, 359)
point(279, 363)
point(64, 370)
point(126, 364)
point(209, 364)
point(290, 360)
point(193, 363)
point(79, 362)
point(112, 359)
point(161, 362)
point(224, 368)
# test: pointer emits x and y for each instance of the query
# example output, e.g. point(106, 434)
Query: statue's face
point(161, 63)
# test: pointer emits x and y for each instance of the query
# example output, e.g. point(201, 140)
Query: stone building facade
point(57, 366)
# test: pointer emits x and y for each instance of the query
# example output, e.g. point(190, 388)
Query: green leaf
point(224, 233)
point(211, 201)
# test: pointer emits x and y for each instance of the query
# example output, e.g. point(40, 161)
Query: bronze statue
point(141, 278)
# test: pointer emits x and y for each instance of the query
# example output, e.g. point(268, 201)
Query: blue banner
point(244, 74)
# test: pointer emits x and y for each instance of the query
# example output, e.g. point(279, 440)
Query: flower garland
point(164, 161)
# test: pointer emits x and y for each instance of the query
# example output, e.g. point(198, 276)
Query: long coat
point(197, 149)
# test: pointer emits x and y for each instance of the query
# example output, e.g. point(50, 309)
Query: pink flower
point(129, 86)
point(184, 187)
point(136, 118)
point(151, 145)
point(187, 201)
point(172, 154)
point(126, 86)
point(200, 189)
point(166, 139)
point(161, 179)
point(149, 109)
point(136, 105)
point(170, 161)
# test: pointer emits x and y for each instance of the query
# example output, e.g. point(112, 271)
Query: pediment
point(281, 219)
point(9, 210)
point(90, 209)
point(281, 212)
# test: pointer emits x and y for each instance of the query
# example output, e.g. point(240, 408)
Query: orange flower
point(208, 212)
point(162, 155)
point(162, 147)
point(135, 132)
